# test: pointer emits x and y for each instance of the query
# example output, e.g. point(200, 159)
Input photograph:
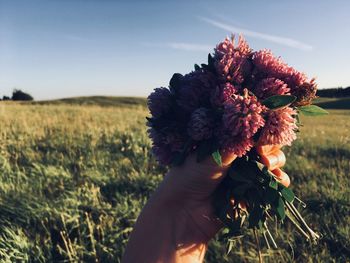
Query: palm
point(191, 186)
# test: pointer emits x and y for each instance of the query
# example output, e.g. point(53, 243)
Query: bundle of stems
point(254, 194)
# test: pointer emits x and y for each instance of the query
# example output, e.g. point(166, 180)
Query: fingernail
point(273, 161)
point(282, 177)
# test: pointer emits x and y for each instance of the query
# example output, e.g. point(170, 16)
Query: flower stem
point(298, 226)
point(314, 236)
point(270, 236)
point(258, 246)
point(266, 240)
point(300, 201)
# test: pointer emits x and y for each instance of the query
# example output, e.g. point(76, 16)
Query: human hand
point(191, 186)
point(179, 219)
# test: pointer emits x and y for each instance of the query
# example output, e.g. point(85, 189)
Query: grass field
point(75, 175)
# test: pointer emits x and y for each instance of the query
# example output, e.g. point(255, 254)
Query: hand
point(191, 186)
point(179, 219)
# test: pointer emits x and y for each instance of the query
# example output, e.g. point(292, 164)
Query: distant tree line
point(18, 95)
point(334, 93)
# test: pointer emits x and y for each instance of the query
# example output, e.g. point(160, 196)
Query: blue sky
point(64, 48)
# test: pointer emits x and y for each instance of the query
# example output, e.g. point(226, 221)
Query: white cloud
point(275, 39)
point(189, 47)
point(181, 46)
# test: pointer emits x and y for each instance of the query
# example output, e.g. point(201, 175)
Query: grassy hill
point(333, 103)
point(108, 101)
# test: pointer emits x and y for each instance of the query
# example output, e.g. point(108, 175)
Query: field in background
point(334, 103)
point(103, 101)
point(74, 178)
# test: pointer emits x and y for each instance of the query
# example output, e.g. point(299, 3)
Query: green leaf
point(262, 172)
point(175, 81)
point(217, 157)
point(312, 110)
point(278, 101)
point(196, 67)
point(287, 194)
point(281, 213)
point(271, 196)
point(225, 232)
point(246, 168)
point(210, 60)
point(273, 184)
point(204, 66)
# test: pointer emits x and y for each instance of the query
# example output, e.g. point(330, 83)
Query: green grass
point(74, 178)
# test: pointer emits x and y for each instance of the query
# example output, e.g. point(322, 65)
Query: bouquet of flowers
point(239, 102)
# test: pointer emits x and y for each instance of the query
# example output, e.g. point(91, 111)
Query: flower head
point(159, 101)
point(305, 93)
point(231, 62)
point(195, 90)
point(201, 124)
point(243, 116)
point(162, 154)
point(269, 87)
point(213, 103)
point(222, 93)
point(280, 127)
point(241, 119)
point(165, 143)
point(268, 65)
point(237, 145)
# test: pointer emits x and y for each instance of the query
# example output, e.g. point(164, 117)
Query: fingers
point(273, 160)
point(267, 149)
point(272, 157)
point(282, 177)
